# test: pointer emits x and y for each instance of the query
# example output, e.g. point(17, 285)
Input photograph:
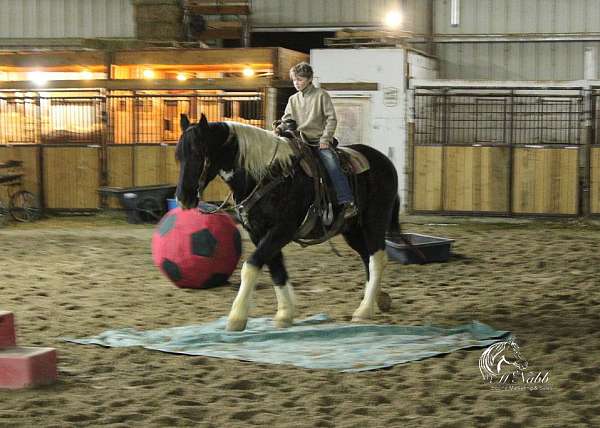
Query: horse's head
point(193, 152)
point(513, 356)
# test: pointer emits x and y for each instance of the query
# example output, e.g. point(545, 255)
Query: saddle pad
point(358, 161)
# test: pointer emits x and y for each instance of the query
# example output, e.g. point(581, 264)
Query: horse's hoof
point(281, 322)
point(384, 301)
point(362, 315)
point(236, 324)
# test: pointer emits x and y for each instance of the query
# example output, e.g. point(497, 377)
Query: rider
point(313, 111)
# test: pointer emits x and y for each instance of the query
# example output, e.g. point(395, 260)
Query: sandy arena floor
point(79, 276)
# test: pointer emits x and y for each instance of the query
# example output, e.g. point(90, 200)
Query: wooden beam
point(233, 84)
point(194, 56)
point(71, 59)
point(221, 10)
point(350, 86)
point(225, 33)
point(286, 59)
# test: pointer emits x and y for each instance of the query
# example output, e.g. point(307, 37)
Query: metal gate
point(501, 152)
point(71, 145)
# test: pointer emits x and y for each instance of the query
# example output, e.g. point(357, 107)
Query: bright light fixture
point(148, 73)
point(393, 20)
point(248, 72)
point(38, 78)
point(181, 77)
point(86, 75)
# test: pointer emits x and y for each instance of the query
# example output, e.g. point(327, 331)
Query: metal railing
point(118, 119)
point(472, 118)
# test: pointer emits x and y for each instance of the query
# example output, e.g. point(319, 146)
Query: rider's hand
point(323, 145)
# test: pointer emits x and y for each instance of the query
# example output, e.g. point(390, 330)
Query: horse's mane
point(487, 361)
point(256, 149)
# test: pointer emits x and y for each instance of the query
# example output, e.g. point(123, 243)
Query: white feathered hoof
point(236, 324)
point(363, 313)
point(283, 320)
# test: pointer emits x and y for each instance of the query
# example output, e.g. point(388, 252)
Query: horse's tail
point(394, 226)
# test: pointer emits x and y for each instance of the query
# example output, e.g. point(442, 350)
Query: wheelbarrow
point(143, 204)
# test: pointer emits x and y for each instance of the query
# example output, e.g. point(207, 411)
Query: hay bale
point(159, 31)
point(159, 13)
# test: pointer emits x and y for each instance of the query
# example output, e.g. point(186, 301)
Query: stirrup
point(350, 210)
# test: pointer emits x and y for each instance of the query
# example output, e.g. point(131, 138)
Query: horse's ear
point(184, 122)
point(203, 122)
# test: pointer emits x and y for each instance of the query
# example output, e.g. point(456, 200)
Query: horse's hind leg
point(374, 257)
point(286, 305)
point(366, 309)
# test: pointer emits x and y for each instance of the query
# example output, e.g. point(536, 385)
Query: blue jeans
point(339, 180)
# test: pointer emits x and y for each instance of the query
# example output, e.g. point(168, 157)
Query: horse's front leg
point(286, 305)
point(238, 316)
point(268, 247)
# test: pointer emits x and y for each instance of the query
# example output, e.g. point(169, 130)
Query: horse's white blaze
point(366, 310)
point(226, 175)
point(238, 316)
point(286, 305)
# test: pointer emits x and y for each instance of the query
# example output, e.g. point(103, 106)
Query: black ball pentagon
point(203, 243)
point(172, 270)
point(215, 280)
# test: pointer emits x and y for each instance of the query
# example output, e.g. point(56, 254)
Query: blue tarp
point(315, 343)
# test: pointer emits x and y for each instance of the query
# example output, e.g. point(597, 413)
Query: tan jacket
point(314, 113)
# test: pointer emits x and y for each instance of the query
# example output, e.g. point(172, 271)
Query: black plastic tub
point(419, 249)
point(144, 204)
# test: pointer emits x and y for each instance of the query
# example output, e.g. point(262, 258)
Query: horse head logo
point(499, 354)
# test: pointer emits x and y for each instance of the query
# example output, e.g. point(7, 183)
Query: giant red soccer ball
point(196, 250)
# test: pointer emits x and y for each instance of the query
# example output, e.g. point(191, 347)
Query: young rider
point(313, 111)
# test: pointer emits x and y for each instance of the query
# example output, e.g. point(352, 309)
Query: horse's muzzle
point(185, 204)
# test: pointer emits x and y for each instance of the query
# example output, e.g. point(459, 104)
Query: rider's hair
point(302, 69)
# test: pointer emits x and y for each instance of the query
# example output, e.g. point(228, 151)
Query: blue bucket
point(171, 204)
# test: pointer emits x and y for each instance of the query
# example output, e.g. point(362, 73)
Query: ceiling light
point(148, 73)
point(248, 72)
point(38, 78)
point(393, 20)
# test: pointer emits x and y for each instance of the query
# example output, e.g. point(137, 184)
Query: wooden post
point(270, 106)
point(589, 110)
point(410, 158)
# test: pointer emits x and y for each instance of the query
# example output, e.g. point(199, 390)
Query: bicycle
point(22, 205)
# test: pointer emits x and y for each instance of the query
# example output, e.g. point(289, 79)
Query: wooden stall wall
point(71, 177)
point(427, 191)
point(461, 179)
point(476, 179)
point(141, 165)
point(29, 154)
point(545, 180)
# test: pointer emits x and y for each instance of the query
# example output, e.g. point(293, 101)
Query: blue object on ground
point(171, 204)
point(315, 343)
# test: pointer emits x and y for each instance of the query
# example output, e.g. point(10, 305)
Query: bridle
point(244, 206)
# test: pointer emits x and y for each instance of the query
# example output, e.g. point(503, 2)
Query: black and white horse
point(244, 156)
